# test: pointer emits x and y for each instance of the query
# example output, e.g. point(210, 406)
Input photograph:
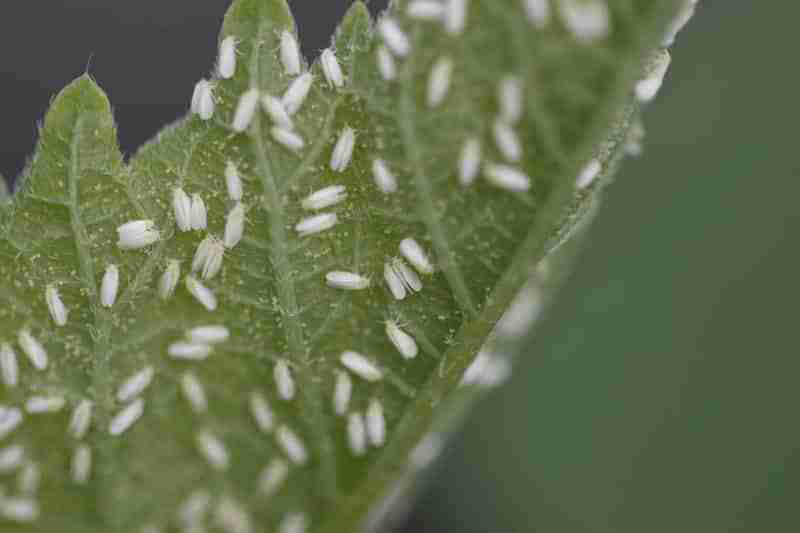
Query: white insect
point(58, 311)
point(647, 88)
point(81, 419)
point(411, 250)
point(331, 68)
point(182, 207)
point(487, 370)
point(208, 257)
point(245, 110)
point(10, 419)
point(356, 434)
point(497, 372)
point(29, 478)
point(439, 81)
point(234, 226)
point(11, 458)
point(386, 65)
point(401, 340)
point(284, 380)
point(199, 87)
point(587, 20)
point(202, 253)
point(677, 24)
point(426, 451)
point(469, 163)
point(425, 10)
point(44, 404)
point(588, 174)
point(289, 139)
point(326, 197)
point(126, 417)
point(226, 64)
point(261, 411)
point(383, 177)
point(393, 37)
point(296, 94)
point(455, 16)
point(193, 509)
point(201, 293)
point(231, 517)
point(509, 178)
point(233, 183)
point(362, 367)
point(137, 234)
point(214, 334)
point(343, 151)
point(110, 286)
point(524, 310)
point(293, 523)
point(407, 276)
point(203, 103)
point(18, 509)
point(272, 477)
point(291, 444)
point(510, 95)
point(290, 53)
point(394, 281)
point(169, 279)
point(507, 141)
point(349, 281)
point(538, 12)
point(32, 348)
point(213, 449)
point(9, 367)
point(316, 224)
point(81, 464)
point(136, 384)
point(277, 112)
point(342, 392)
point(189, 351)
point(194, 392)
point(376, 423)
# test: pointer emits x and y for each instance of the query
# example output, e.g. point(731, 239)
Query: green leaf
point(60, 232)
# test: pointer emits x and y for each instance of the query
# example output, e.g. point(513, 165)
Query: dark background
point(146, 54)
point(661, 394)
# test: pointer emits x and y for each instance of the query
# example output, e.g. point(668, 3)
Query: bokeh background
point(661, 392)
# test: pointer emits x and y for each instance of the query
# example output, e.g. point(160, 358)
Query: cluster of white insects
point(587, 20)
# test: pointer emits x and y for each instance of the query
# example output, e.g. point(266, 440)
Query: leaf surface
point(60, 231)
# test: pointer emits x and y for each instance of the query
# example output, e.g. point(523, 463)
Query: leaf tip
point(79, 118)
point(354, 30)
point(246, 12)
point(83, 93)
point(358, 10)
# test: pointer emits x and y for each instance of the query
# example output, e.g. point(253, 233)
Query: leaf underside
point(60, 229)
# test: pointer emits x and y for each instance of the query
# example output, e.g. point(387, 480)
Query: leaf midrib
point(101, 392)
point(310, 398)
point(425, 208)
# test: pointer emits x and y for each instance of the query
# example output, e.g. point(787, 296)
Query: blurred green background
point(660, 394)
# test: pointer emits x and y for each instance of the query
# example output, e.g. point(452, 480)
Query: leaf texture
point(288, 327)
